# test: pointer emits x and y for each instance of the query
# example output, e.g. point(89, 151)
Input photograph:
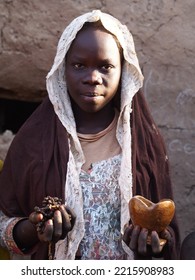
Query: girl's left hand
point(136, 239)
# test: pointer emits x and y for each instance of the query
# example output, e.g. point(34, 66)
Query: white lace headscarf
point(131, 81)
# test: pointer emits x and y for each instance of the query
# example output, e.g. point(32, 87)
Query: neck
point(91, 123)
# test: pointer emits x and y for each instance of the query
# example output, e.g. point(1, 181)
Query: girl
point(94, 145)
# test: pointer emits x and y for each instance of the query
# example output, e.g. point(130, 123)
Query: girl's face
point(93, 69)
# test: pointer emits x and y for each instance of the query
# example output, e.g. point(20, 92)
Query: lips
point(92, 98)
point(91, 94)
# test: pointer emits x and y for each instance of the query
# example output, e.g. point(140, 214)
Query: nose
point(93, 77)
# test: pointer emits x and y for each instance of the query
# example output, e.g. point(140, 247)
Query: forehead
point(94, 41)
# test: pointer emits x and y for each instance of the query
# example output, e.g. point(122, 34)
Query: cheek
point(115, 81)
point(70, 80)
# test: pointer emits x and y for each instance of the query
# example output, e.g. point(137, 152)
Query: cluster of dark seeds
point(49, 206)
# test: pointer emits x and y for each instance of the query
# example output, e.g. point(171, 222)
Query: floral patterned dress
point(102, 208)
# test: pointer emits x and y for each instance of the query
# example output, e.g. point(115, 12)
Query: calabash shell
point(149, 215)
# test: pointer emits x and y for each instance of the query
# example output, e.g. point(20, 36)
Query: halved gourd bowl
point(149, 215)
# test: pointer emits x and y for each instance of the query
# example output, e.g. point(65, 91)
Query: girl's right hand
point(56, 228)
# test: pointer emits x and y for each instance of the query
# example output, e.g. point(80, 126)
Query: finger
point(66, 223)
point(35, 218)
point(72, 215)
point(165, 234)
point(155, 243)
point(48, 231)
point(134, 238)
point(127, 234)
point(57, 224)
point(142, 241)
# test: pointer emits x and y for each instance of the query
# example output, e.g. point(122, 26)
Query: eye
point(107, 67)
point(78, 65)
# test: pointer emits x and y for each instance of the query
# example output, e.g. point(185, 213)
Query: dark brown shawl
point(36, 165)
